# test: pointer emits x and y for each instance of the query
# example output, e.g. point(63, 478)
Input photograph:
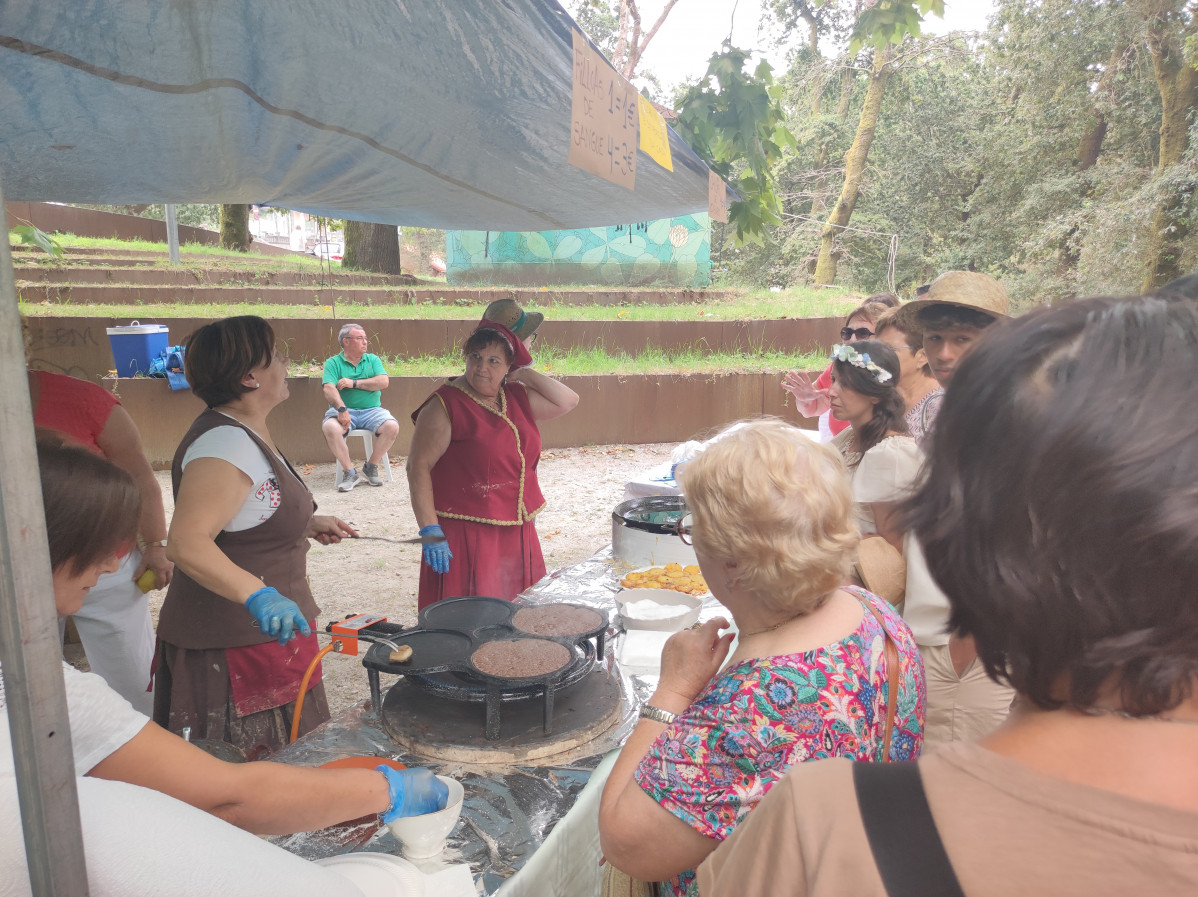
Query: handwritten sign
point(717, 198)
point(655, 139)
point(603, 118)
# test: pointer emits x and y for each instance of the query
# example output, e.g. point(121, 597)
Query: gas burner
point(444, 645)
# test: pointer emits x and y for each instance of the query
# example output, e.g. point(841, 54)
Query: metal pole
point(29, 646)
point(172, 232)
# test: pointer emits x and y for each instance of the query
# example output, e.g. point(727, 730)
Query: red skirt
point(499, 561)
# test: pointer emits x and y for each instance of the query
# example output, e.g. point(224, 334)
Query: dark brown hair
point(91, 505)
point(942, 316)
point(892, 320)
point(485, 337)
point(220, 354)
point(1060, 513)
point(888, 412)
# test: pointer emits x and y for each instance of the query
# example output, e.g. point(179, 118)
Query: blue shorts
point(371, 419)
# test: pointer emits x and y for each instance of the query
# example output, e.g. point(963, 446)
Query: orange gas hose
point(299, 701)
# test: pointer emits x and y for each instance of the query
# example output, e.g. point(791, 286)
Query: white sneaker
point(349, 480)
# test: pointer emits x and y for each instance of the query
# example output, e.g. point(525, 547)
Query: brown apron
point(199, 683)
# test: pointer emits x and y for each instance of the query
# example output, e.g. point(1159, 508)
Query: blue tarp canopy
point(451, 114)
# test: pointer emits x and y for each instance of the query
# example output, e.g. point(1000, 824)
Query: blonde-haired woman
point(773, 527)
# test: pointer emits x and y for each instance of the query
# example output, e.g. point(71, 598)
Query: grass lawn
point(590, 362)
point(759, 304)
point(722, 305)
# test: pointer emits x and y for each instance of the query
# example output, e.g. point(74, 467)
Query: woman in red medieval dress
point(472, 467)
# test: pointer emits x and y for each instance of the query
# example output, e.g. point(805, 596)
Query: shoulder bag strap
point(892, 680)
point(902, 833)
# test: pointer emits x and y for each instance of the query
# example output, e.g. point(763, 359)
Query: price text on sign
point(604, 123)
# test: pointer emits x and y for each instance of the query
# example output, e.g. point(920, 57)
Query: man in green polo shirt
point(353, 382)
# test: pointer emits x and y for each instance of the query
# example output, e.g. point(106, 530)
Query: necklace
point(778, 625)
point(495, 402)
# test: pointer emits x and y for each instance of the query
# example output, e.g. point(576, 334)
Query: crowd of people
point(1019, 484)
point(974, 583)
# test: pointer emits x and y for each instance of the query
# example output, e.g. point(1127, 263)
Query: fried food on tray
point(686, 579)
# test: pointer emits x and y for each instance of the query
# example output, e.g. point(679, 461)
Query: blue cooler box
point(135, 346)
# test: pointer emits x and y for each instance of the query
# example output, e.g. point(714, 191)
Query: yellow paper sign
point(655, 139)
point(603, 118)
point(717, 198)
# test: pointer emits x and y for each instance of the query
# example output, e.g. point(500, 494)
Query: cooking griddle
point(449, 632)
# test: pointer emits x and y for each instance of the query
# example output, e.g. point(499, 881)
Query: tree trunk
point(371, 247)
point(235, 227)
point(1177, 82)
point(1088, 150)
point(819, 189)
point(854, 169)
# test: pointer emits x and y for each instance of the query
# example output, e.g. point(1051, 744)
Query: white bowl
point(685, 609)
point(421, 837)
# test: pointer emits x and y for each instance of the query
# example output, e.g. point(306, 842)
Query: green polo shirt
point(370, 366)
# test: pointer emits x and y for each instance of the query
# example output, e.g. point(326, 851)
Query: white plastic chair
point(368, 447)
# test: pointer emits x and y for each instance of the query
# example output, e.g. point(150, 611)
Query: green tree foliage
point(733, 119)
point(1038, 151)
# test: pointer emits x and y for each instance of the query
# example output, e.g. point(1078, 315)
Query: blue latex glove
point(277, 615)
point(437, 555)
point(414, 792)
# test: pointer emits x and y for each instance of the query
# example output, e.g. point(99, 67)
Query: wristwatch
point(156, 543)
point(341, 408)
point(355, 384)
point(648, 711)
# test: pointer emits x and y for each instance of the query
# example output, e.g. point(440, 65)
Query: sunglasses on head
point(847, 333)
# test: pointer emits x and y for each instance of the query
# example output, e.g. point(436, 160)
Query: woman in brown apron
point(235, 630)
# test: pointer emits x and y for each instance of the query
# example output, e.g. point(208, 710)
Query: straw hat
point(513, 317)
point(881, 569)
point(965, 289)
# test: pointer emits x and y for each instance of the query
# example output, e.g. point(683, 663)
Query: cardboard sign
point(717, 198)
point(655, 139)
point(603, 118)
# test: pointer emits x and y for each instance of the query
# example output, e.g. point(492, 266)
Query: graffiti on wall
point(666, 252)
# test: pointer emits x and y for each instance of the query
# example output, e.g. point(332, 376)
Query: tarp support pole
point(29, 645)
point(172, 232)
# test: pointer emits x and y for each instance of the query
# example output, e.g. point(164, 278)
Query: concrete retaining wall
point(613, 409)
point(80, 347)
point(110, 225)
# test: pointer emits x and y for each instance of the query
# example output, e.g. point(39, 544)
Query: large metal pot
point(643, 532)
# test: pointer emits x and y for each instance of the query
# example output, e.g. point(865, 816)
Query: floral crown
point(849, 355)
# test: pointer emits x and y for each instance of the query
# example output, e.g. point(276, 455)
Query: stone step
point(166, 277)
point(104, 294)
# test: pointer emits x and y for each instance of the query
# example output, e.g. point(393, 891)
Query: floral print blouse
point(756, 719)
point(923, 413)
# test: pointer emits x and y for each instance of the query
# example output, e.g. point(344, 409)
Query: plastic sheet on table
point(509, 810)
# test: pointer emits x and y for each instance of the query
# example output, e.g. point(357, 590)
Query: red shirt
point(489, 472)
point(73, 407)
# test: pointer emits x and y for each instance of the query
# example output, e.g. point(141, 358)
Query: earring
point(255, 386)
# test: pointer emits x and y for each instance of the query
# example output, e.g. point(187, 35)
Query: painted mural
point(672, 252)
